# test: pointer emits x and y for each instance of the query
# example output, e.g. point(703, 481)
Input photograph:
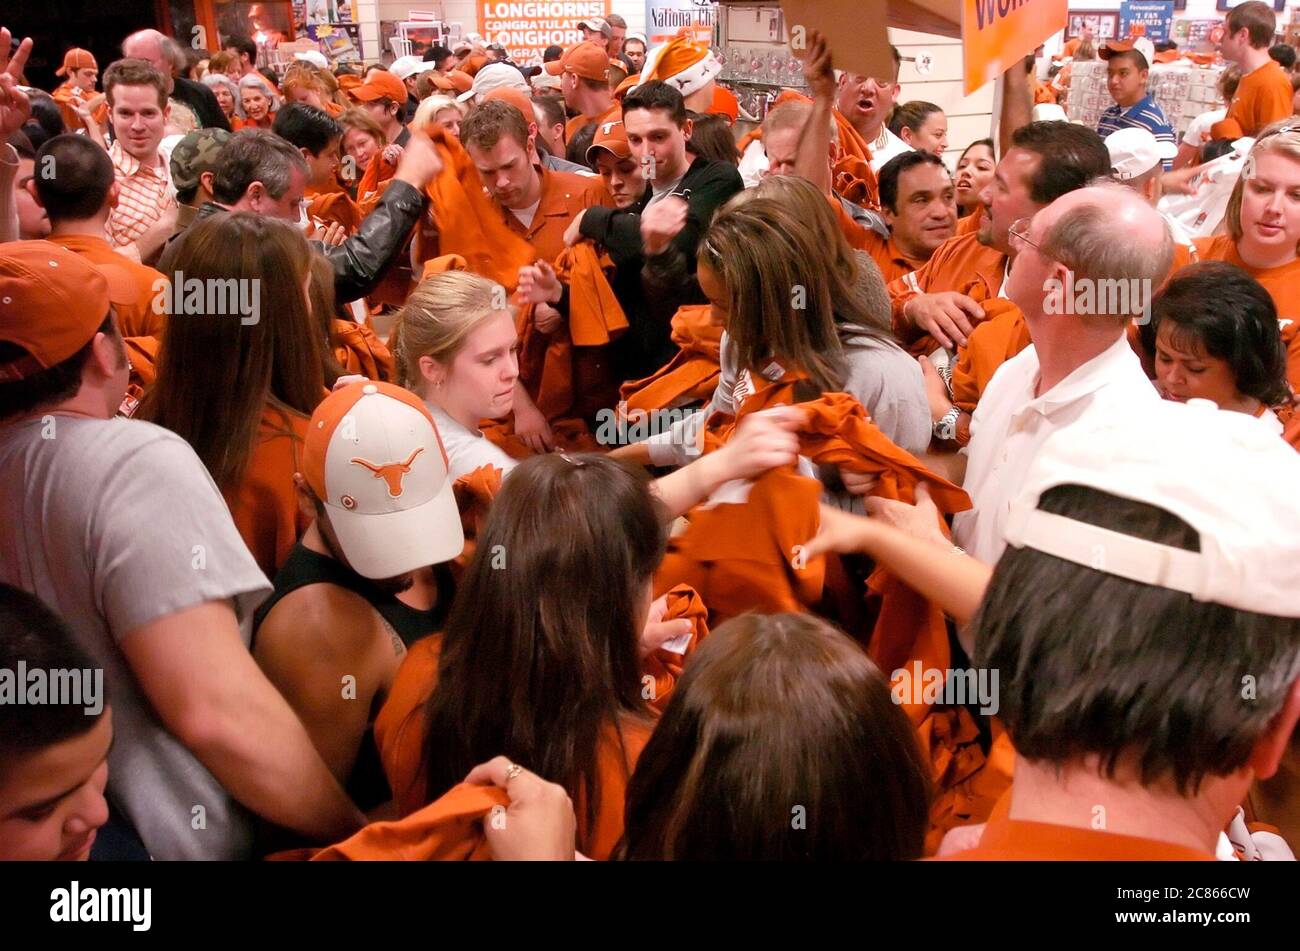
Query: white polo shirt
point(1011, 424)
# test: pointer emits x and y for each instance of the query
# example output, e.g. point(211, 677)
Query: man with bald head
point(166, 56)
point(1084, 267)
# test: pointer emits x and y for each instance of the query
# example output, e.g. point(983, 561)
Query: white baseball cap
point(315, 57)
point(405, 67)
point(373, 456)
point(600, 24)
point(1135, 151)
point(495, 76)
point(1228, 475)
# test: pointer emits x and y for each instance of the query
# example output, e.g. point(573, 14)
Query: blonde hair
point(1283, 138)
point(428, 110)
point(437, 317)
point(358, 118)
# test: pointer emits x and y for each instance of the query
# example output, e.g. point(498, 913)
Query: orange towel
point(666, 666)
point(449, 829)
point(1001, 335)
point(595, 315)
point(358, 349)
point(692, 375)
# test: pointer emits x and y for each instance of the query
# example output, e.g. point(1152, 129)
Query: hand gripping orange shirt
point(960, 264)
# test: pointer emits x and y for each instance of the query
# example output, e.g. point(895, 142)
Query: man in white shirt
point(866, 102)
point(1085, 266)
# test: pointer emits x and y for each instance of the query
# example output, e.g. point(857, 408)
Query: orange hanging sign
point(997, 33)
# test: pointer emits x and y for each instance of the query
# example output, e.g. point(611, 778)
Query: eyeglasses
point(1019, 233)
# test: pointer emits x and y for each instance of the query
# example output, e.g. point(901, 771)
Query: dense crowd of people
point(457, 459)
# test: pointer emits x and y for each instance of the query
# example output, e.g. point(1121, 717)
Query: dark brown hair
point(540, 659)
point(134, 72)
point(1107, 667)
point(781, 742)
point(216, 373)
point(791, 278)
point(488, 122)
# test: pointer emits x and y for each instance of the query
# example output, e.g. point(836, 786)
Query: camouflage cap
point(196, 152)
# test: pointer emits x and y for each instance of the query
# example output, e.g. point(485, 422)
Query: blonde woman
point(260, 102)
point(456, 347)
point(439, 111)
point(1263, 229)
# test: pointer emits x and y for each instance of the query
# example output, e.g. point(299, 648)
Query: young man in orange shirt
point(584, 81)
point(78, 201)
point(1264, 92)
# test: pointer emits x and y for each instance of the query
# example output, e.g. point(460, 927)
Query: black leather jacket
point(361, 260)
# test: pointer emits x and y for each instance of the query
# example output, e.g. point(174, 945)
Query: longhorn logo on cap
point(390, 472)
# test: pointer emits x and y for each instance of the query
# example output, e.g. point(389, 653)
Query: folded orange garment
point(746, 556)
point(571, 435)
point(839, 433)
point(449, 829)
point(376, 176)
point(595, 315)
point(1290, 417)
point(692, 374)
point(442, 263)
point(358, 349)
point(967, 781)
point(474, 494)
point(665, 666)
point(1002, 334)
point(334, 206)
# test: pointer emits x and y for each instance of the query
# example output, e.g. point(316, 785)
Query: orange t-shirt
point(332, 205)
point(1263, 96)
point(399, 734)
point(265, 505)
point(358, 349)
point(447, 830)
point(1006, 839)
point(132, 287)
point(1283, 285)
point(960, 264)
point(892, 262)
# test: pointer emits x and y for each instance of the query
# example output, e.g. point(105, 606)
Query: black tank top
point(366, 785)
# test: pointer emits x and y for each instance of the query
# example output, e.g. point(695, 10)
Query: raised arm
point(207, 690)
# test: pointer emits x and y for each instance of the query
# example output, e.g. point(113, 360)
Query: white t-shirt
point(526, 215)
point(1011, 424)
point(467, 449)
point(1198, 133)
point(885, 146)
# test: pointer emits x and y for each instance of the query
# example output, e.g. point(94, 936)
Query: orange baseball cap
point(381, 85)
point(455, 81)
point(76, 58)
point(631, 82)
point(586, 59)
point(515, 98)
point(375, 459)
point(474, 63)
point(611, 135)
point(52, 303)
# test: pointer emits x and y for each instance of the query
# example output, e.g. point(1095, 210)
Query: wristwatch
point(945, 428)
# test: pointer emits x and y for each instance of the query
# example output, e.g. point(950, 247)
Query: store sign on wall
point(526, 29)
point(1155, 16)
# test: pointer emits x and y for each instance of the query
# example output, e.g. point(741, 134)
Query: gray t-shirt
point(114, 524)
